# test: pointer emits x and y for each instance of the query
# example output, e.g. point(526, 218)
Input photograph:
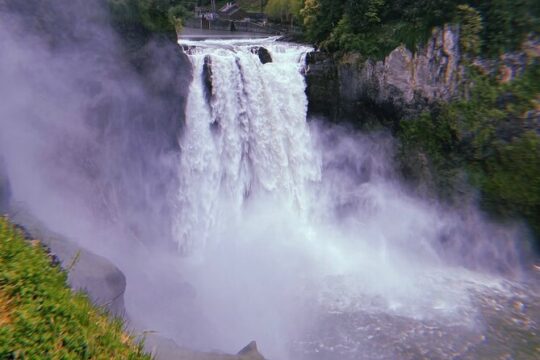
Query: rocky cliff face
point(165, 349)
point(322, 84)
point(401, 84)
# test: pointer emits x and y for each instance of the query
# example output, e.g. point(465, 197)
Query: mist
point(89, 129)
point(221, 243)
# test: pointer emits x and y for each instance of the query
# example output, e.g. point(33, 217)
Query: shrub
point(470, 22)
point(156, 16)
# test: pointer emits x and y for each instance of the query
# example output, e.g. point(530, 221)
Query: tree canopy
point(284, 9)
point(374, 27)
point(151, 15)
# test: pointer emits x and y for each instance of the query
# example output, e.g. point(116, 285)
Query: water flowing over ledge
point(286, 226)
point(246, 133)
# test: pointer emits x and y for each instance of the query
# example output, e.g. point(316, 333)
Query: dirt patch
point(5, 309)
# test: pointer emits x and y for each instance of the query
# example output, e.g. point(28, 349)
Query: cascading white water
point(277, 215)
point(249, 137)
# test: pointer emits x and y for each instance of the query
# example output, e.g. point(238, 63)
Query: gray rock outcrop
point(322, 84)
point(104, 283)
point(165, 349)
point(207, 78)
point(401, 84)
point(263, 53)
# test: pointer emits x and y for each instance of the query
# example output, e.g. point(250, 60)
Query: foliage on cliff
point(492, 136)
point(285, 10)
point(375, 27)
point(153, 16)
point(40, 317)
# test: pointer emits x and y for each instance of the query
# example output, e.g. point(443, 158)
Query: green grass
point(41, 318)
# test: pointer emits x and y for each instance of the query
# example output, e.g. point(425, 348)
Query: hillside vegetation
point(41, 318)
point(152, 16)
point(490, 136)
point(490, 132)
point(375, 27)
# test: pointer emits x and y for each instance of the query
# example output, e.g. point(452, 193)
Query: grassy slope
point(40, 317)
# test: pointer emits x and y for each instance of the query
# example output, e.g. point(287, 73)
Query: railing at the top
point(246, 26)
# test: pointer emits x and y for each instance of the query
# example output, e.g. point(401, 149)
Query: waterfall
point(245, 135)
point(280, 219)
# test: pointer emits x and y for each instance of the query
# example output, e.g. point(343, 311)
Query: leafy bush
point(510, 178)
point(506, 23)
point(321, 17)
point(284, 10)
point(176, 15)
point(154, 16)
point(470, 22)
